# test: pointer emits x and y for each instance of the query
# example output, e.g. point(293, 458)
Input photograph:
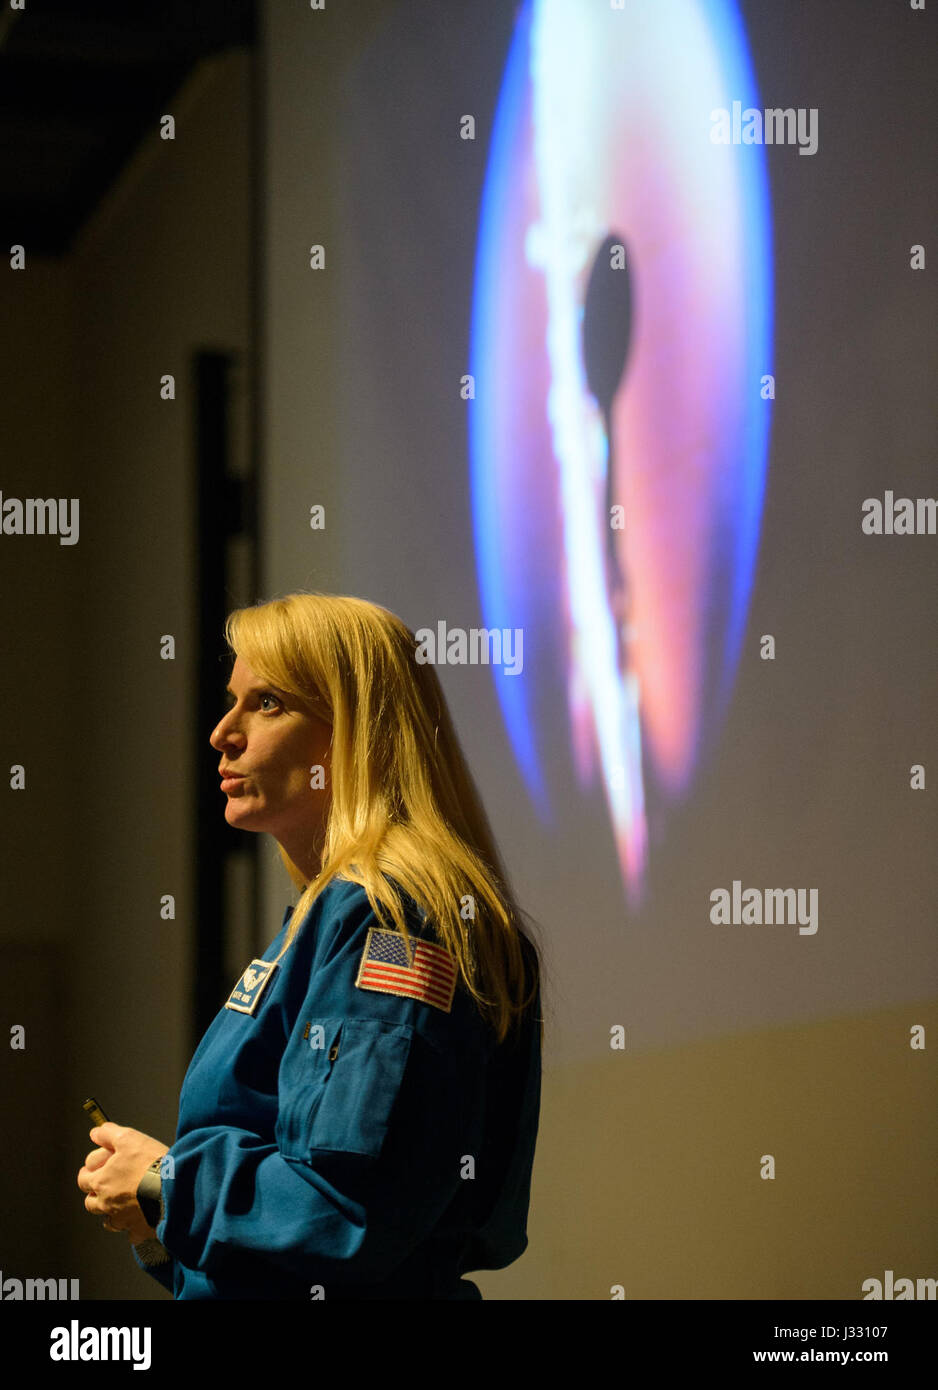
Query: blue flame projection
point(619, 434)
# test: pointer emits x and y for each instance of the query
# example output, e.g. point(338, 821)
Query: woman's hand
point(111, 1174)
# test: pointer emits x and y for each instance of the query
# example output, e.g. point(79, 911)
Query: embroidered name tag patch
point(251, 985)
point(429, 974)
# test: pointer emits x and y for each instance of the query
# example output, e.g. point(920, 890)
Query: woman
point(359, 1121)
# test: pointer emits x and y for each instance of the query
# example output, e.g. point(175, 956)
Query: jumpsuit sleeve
point(154, 1259)
point(380, 1099)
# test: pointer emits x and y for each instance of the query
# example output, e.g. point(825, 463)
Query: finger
point(106, 1135)
point(97, 1158)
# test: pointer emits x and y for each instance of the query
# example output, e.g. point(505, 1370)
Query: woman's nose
point(223, 732)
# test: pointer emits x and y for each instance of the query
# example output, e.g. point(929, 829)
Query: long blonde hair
point(403, 806)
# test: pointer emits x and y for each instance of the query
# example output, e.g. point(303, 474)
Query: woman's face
point(274, 750)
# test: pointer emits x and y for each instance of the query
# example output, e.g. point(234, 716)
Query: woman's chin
point(242, 816)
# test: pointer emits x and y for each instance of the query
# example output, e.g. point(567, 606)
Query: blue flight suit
point(323, 1138)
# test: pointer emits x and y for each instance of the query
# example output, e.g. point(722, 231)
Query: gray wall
point(102, 725)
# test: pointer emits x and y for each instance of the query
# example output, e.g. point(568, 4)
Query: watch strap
point(150, 1194)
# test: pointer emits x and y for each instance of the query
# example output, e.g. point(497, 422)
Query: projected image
point(619, 432)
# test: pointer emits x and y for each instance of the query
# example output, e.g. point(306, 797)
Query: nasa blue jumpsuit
point(346, 1141)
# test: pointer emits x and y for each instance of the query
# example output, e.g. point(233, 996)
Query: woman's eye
point(267, 696)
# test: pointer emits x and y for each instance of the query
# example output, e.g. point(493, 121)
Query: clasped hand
point(111, 1174)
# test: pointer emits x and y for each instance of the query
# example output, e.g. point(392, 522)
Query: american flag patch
point(385, 966)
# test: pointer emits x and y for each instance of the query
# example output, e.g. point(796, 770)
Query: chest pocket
point(339, 1098)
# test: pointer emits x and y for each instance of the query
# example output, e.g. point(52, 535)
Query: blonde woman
point(359, 1121)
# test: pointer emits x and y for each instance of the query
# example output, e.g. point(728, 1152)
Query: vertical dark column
point(225, 510)
point(257, 266)
point(228, 443)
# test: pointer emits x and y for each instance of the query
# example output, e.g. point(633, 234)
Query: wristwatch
point(150, 1193)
